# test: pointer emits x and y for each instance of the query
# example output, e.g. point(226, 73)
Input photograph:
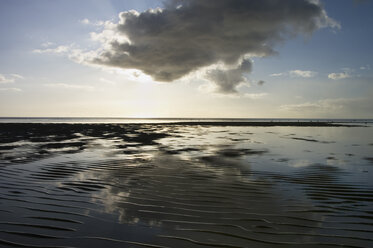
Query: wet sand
point(186, 185)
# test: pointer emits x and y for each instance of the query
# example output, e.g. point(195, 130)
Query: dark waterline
point(171, 120)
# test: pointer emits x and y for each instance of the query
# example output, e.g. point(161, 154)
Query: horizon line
point(212, 118)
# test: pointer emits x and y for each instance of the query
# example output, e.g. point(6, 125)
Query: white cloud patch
point(278, 74)
point(69, 86)
point(4, 80)
point(365, 67)
point(47, 44)
point(85, 21)
point(295, 73)
point(10, 89)
point(10, 78)
point(255, 96)
point(56, 50)
point(17, 76)
point(327, 105)
point(303, 74)
point(71, 51)
point(340, 75)
point(329, 108)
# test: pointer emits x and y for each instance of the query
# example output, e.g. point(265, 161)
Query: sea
point(139, 184)
point(170, 120)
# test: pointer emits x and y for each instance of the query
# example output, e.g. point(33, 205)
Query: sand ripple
point(197, 195)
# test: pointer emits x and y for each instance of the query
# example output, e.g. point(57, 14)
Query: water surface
point(146, 185)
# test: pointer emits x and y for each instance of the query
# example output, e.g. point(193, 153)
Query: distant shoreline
point(264, 124)
point(205, 123)
point(193, 121)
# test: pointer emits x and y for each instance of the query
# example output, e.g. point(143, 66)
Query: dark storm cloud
point(187, 35)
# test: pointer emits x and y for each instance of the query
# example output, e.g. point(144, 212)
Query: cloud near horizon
point(10, 79)
point(303, 74)
point(69, 86)
point(340, 75)
point(5, 80)
point(332, 108)
point(10, 89)
point(188, 35)
point(295, 73)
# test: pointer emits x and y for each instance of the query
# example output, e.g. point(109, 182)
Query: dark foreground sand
point(186, 185)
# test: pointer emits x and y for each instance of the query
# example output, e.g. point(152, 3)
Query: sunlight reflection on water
point(167, 185)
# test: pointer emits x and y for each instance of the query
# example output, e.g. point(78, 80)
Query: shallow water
point(82, 120)
point(185, 186)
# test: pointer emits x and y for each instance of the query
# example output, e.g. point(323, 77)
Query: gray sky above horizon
point(186, 58)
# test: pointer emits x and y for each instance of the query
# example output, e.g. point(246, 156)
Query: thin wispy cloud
point(86, 21)
point(69, 86)
point(47, 44)
point(9, 78)
point(365, 67)
point(4, 80)
point(17, 76)
point(255, 96)
point(346, 73)
point(57, 50)
point(303, 74)
point(278, 74)
point(107, 81)
point(333, 107)
point(296, 73)
point(326, 105)
point(11, 89)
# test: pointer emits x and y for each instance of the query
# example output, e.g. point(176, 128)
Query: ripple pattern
point(100, 196)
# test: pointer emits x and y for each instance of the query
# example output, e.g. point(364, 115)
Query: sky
point(186, 58)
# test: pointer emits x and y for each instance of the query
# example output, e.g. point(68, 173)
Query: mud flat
point(186, 185)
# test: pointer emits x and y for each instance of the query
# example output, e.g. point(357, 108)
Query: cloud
point(295, 73)
point(56, 50)
point(107, 81)
point(10, 89)
point(340, 75)
point(337, 108)
point(11, 78)
point(227, 80)
point(255, 96)
point(85, 21)
point(186, 36)
point(17, 76)
point(365, 67)
point(47, 44)
point(303, 74)
point(278, 74)
point(4, 80)
point(326, 105)
point(69, 86)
